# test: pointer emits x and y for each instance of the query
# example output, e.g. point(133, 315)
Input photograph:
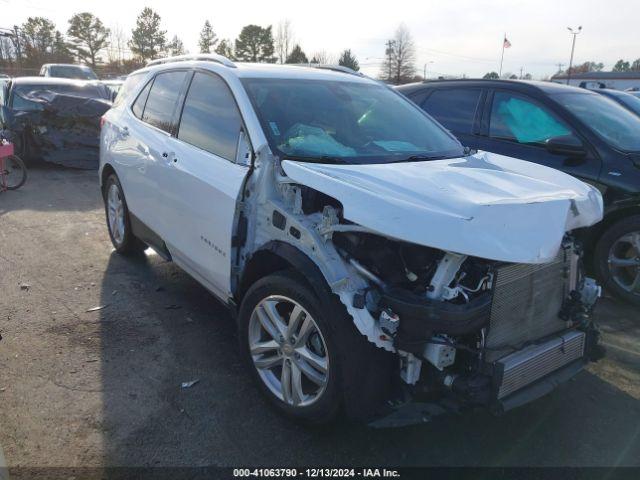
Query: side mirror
point(566, 145)
point(243, 150)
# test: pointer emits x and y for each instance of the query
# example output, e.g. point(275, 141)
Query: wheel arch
point(107, 170)
point(592, 236)
point(275, 256)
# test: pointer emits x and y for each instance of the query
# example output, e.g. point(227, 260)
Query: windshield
point(609, 120)
point(72, 71)
point(346, 122)
point(19, 102)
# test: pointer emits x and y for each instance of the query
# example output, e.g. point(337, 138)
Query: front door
point(204, 183)
point(518, 127)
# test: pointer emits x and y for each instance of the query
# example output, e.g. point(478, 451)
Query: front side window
point(210, 118)
point(520, 120)
point(454, 108)
point(345, 122)
point(609, 120)
point(163, 99)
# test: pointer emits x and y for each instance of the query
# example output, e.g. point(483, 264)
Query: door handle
point(143, 149)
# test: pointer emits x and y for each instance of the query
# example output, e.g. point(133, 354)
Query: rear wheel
point(305, 352)
point(118, 221)
point(14, 172)
point(617, 258)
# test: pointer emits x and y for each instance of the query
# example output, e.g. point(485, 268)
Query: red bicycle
point(13, 173)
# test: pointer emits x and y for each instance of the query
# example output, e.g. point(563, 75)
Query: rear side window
point(210, 118)
point(138, 105)
point(518, 119)
point(162, 100)
point(454, 108)
point(129, 85)
point(419, 96)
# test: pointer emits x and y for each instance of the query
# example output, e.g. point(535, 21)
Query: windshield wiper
point(415, 158)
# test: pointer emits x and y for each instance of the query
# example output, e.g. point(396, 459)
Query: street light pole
point(573, 47)
point(424, 73)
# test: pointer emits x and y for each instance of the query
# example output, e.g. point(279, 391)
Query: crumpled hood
point(485, 205)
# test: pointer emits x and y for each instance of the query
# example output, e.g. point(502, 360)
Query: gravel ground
point(102, 388)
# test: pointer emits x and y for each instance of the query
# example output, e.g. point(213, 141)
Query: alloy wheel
point(624, 262)
point(115, 213)
point(288, 350)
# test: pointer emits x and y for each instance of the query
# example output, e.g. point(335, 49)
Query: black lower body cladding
point(421, 317)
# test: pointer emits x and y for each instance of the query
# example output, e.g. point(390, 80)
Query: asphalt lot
point(80, 388)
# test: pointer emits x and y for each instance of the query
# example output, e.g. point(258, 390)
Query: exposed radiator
point(526, 302)
point(536, 361)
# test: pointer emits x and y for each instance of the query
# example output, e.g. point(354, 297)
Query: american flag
point(506, 43)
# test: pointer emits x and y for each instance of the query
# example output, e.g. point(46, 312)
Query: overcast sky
point(463, 36)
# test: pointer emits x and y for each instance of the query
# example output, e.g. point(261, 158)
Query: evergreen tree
point(147, 39)
point(175, 47)
point(88, 36)
point(225, 48)
point(347, 59)
point(297, 55)
point(208, 38)
point(255, 44)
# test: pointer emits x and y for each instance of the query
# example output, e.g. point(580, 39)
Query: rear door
point(517, 125)
point(458, 110)
point(203, 181)
point(145, 132)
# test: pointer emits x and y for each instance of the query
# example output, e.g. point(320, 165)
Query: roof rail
point(205, 57)
point(335, 68)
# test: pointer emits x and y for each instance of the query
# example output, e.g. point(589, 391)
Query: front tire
point(15, 173)
point(118, 220)
point(617, 259)
point(305, 353)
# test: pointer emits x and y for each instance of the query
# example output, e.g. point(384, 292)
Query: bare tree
point(400, 56)
point(323, 58)
point(7, 52)
point(117, 45)
point(284, 40)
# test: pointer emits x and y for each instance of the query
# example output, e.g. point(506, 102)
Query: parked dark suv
point(575, 130)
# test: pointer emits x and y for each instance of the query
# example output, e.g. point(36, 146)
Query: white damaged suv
point(375, 267)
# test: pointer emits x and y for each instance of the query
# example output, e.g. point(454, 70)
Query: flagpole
point(502, 57)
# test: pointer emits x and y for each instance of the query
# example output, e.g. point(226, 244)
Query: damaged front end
point(474, 332)
point(496, 319)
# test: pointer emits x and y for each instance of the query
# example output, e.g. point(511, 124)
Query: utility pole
point(560, 65)
point(573, 47)
point(521, 68)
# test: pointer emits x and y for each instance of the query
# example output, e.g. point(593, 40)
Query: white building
point(615, 80)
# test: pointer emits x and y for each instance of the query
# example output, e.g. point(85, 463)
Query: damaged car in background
point(376, 266)
point(53, 119)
